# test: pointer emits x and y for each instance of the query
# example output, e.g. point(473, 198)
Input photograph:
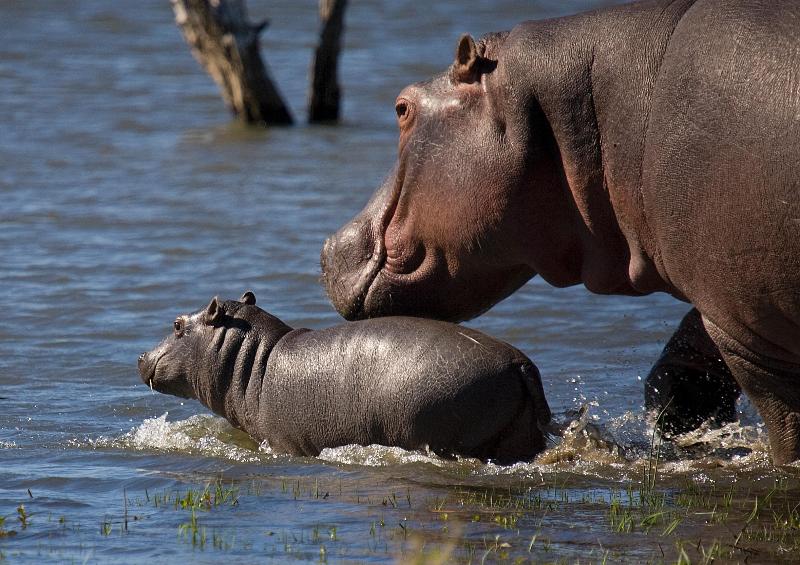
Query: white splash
point(198, 435)
point(376, 456)
point(624, 445)
point(580, 443)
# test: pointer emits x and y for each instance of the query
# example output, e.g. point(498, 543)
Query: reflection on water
point(128, 197)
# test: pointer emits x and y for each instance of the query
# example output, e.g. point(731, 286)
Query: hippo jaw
point(429, 290)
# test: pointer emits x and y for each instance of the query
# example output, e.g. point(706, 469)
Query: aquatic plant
point(497, 519)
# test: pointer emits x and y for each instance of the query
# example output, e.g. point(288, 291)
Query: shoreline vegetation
point(543, 519)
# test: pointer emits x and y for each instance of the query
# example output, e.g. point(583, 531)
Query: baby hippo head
point(198, 357)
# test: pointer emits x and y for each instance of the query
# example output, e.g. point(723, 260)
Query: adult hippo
point(650, 147)
point(397, 381)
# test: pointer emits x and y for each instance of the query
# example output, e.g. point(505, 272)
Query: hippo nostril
point(403, 261)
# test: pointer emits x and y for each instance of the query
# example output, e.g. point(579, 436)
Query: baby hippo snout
point(144, 370)
point(162, 369)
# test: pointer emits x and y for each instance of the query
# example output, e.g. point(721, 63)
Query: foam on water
point(383, 456)
point(630, 442)
point(202, 434)
point(623, 446)
point(577, 444)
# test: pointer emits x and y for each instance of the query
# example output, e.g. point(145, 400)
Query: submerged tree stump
point(323, 103)
point(227, 45)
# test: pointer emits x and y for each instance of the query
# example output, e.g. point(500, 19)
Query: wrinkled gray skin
point(650, 147)
point(404, 382)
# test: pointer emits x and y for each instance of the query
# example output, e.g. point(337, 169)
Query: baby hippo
point(406, 382)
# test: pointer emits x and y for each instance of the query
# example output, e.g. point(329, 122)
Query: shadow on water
point(129, 196)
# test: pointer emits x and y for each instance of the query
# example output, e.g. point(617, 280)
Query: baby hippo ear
point(248, 298)
point(214, 311)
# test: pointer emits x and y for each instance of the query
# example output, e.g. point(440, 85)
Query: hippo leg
point(771, 385)
point(690, 382)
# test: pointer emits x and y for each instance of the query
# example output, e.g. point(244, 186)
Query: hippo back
point(397, 381)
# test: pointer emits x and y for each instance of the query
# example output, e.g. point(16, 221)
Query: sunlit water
point(129, 196)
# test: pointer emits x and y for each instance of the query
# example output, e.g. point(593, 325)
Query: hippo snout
point(145, 372)
point(163, 369)
point(350, 261)
point(146, 368)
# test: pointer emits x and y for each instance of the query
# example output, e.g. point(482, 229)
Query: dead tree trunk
point(323, 105)
point(227, 45)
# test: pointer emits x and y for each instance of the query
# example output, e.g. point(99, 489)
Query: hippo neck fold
point(230, 382)
point(596, 100)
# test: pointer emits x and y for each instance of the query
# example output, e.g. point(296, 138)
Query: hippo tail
point(526, 434)
point(533, 382)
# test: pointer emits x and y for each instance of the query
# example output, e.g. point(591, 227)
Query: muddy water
point(129, 196)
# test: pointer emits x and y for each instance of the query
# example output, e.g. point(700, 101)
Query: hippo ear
point(214, 311)
point(248, 298)
point(466, 67)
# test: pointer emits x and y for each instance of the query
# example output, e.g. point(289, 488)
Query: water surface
point(130, 196)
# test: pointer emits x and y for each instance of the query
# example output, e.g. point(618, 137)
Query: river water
point(130, 196)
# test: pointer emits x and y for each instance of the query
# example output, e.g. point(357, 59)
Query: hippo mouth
point(148, 369)
point(354, 258)
point(380, 254)
point(388, 264)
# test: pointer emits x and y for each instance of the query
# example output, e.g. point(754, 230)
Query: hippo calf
point(396, 381)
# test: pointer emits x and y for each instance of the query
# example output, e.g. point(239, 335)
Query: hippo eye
point(403, 110)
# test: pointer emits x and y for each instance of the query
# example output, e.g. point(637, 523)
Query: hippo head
point(445, 236)
point(198, 359)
